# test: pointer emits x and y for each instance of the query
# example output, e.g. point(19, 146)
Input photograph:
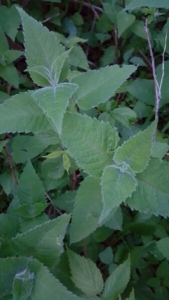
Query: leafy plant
point(83, 164)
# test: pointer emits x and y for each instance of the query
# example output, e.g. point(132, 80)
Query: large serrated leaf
point(53, 101)
point(24, 115)
point(45, 285)
point(135, 152)
point(89, 141)
point(100, 85)
point(85, 274)
point(116, 187)
point(152, 193)
point(87, 209)
point(42, 47)
point(44, 242)
point(150, 3)
point(117, 282)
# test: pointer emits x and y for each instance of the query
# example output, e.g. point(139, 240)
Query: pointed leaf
point(85, 274)
point(100, 85)
point(44, 242)
point(89, 142)
point(117, 281)
point(42, 46)
point(87, 209)
point(23, 285)
point(66, 162)
point(10, 74)
point(124, 21)
point(45, 285)
point(24, 115)
point(135, 152)
point(53, 101)
point(163, 246)
point(152, 193)
point(116, 187)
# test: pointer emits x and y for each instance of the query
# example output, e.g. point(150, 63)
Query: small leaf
point(85, 274)
point(123, 115)
point(135, 152)
point(163, 246)
point(117, 281)
point(78, 58)
point(147, 3)
point(124, 21)
point(106, 256)
point(66, 162)
point(159, 149)
point(9, 73)
point(89, 141)
point(87, 209)
point(44, 242)
point(53, 154)
point(53, 101)
point(100, 85)
point(117, 186)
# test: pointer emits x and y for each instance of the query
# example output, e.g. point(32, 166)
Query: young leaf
point(45, 285)
point(152, 193)
point(163, 246)
point(136, 151)
point(53, 101)
point(148, 3)
point(87, 209)
point(44, 242)
point(116, 187)
point(117, 281)
point(66, 162)
point(24, 115)
point(100, 85)
point(85, 274)
point(89, 142)
point(42, 46)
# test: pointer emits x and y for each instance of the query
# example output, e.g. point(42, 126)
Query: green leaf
point(54, 154)
point(9, 73)
point(66, 162)
point(124, 21)
point(117, 185)
point(9, 20)
point(117, 281)
point(4, 44)
point(143, 90)
point(57, 101)
point(9, 226)
point(87, 209)
point(42, 46)
point(132, 296)
point(100, 85)
point(89, 142)
point(123, 115)
point(24, 115)
point(163, 246)
point(78, 58)
point(159, 149)
point(30, 188)
point(148, 3)
point(65, 201)
point(23, 285)
point(44, 242)
point(11, 55)
point(152, 193)
point(106, 256)
point(45, 285)
point(135, 152)
point(53, 168)
point(85, 274)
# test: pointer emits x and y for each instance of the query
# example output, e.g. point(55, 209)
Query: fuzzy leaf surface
point(85, 274)
point(44, 242)
point(53, 101)
point(152, 193)
point(100, 85)
point(24, 115)
point(135, 152)
point(45, 285)
point(117, 281)
point(89, 142)
point(87, 209)
point(113, 179)
point(42, 46)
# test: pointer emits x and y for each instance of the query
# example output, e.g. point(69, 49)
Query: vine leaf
point(117, 186)
point(89, 142)
point(135, 152)
point(85, 274)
